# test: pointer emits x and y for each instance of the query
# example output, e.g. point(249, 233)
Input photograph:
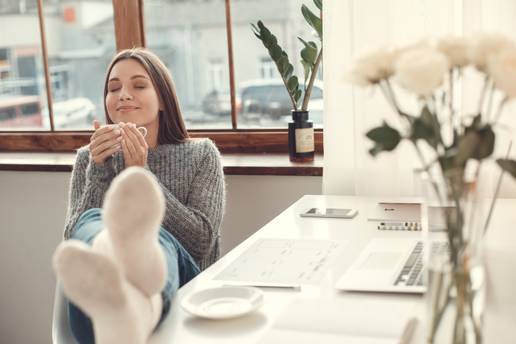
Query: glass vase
point(455, 282)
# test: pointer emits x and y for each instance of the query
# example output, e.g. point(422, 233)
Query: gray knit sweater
point(192, 181)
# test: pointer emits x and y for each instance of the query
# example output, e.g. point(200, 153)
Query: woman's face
point(131, 96)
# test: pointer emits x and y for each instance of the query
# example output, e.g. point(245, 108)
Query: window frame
point(130, 34)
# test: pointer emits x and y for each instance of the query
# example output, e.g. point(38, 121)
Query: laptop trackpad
point(380, 261)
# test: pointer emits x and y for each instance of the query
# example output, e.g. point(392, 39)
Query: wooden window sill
point(276, 164)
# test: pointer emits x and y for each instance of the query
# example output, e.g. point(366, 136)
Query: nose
point(124, 94)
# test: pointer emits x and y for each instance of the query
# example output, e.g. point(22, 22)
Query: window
point(81, 42)
point(21, 112)
point(22, 89)
point(216, 75)
point(59, 75)
point(253, 69)
point(267, 68)
point(194, 48)
point(204, 46)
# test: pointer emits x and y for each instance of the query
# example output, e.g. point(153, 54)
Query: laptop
point(390, 265)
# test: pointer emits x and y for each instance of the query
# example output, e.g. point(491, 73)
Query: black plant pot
point(301, 145)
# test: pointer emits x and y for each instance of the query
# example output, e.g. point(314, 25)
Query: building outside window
point(80, 42)
point(267, 68)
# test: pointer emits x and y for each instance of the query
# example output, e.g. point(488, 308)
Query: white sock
point(120, 312)
point(117, 281)
point(134, 207)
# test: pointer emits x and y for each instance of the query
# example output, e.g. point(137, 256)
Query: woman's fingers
point(129, 142)
point(100, 131)
point(139, 136)
point(100, 147)
point(109, 152)
point(135, 150)
point(108, 136)
point(104, 142)
point(136, 137)
point(125, 151)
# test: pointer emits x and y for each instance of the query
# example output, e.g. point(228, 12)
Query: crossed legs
point(117, 281)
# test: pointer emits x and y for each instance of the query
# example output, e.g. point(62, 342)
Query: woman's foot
point(133, 211)
point(120, 313)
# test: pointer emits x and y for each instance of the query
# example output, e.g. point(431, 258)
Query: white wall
point(354, 27)
point(32, 210)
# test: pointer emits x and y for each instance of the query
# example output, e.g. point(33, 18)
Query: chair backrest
point(61, 333)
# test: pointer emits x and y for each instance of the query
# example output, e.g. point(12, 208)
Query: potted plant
point(301, 133)
point(450, 145)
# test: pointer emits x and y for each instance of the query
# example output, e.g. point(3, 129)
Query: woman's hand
point(134, 146)
point(104, 142)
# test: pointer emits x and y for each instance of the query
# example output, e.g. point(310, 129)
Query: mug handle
point(142, 130)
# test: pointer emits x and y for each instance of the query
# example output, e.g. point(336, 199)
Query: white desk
point(180, 327)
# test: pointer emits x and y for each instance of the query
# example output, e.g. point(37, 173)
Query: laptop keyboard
point(411, 273)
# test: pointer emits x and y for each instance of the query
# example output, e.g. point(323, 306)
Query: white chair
point(61, 333)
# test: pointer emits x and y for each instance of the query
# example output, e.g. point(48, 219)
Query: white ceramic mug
point(142, 130)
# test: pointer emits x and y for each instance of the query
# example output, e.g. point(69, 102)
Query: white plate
point(222, 302)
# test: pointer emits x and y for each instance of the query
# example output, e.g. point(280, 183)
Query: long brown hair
point(171, 125)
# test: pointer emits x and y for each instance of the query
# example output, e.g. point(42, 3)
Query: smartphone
point(330, 212)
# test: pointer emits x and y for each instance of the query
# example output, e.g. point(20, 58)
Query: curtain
point(353, 27)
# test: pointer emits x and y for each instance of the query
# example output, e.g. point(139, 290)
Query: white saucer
point(223, 302)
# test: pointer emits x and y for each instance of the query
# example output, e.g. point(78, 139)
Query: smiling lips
point(126, 108)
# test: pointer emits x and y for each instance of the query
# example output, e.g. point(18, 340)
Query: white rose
point(373, 67)
point(456, 49)
point(486, 45)
point(502, 68)
point(421, 70)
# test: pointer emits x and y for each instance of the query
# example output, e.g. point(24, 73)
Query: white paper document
point(350, 321)
point(282, 262)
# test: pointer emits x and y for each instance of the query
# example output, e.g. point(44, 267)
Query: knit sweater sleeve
point(196, 224)
point(88, 184)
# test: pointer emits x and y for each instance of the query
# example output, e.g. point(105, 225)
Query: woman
point(120, 245)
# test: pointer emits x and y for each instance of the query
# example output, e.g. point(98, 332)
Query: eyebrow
point(133, 77)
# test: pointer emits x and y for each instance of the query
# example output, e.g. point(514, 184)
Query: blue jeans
point(180, 265)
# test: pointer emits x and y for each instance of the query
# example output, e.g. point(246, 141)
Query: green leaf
point(318, 4)
point(508, 165)
point(297, 95)
point(289, 71)
point(256, 31)
point(447, 162)
point(385, 138)
point(309, 54)
point(312, 20)
point(275, 52)
point(466, 148)
point(271, 42)
point(308, 57)
point(283, 65)
point(293, 84)
point(306, 69)
point(280, 58)
point(487, 143)
point(477, 143)
point(477, 121)
point(264, 32)
point(310, 44)
point(423, 128)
